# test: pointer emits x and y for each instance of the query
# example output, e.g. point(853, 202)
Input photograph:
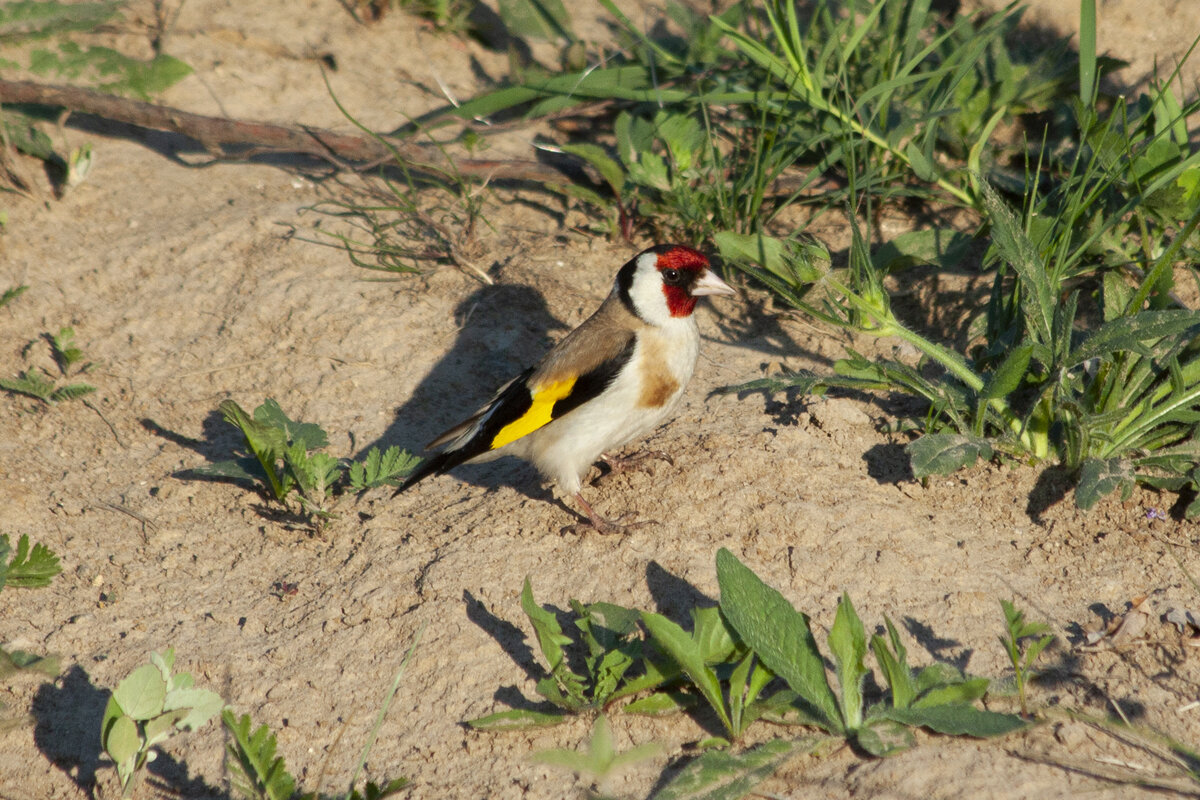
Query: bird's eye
point(671, 277)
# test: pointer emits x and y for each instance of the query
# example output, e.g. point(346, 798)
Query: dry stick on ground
point(255, 138)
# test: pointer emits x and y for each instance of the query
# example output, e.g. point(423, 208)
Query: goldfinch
point(614, 378)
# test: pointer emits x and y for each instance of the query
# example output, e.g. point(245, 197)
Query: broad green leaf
point(516, 719)
point(882, 737)
point(308, 435)
point(1099, 477)
point(779, 634)
point(142, 693)
point(161, 727)
point(551, 641)
point(779, 256)
point(944, 453)
point(922, 166)
point(711, 635)
point(958, 720)
point(679, 645)
point(848, 645)
point(109, 70)
point(939, 673)
point(721, 775)
point(201, 705)
point(123, 742)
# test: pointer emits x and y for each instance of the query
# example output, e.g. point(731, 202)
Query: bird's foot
point(619, 464)
point(622, 524)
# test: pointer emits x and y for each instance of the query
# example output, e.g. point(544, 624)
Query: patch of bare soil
point(184, 288)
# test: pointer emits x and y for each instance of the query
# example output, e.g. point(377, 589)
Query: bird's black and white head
point(664, 282)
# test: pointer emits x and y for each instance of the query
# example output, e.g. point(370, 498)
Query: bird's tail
point(434, 465)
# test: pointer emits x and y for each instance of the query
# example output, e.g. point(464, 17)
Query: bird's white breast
point(641, 397)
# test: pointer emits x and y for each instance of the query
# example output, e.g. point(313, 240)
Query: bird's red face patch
point(679, 268)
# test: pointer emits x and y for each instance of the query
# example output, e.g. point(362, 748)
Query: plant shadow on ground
point(67, 715)
point(513, 641)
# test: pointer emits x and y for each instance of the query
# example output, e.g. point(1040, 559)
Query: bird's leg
point(603, 525)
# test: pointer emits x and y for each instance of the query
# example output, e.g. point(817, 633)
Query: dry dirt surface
point(185, 287)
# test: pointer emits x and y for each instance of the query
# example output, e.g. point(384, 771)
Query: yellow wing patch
point(539, 413)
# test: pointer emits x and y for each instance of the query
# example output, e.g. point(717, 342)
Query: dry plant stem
point(217, 133)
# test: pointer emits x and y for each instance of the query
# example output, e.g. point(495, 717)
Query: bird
point(611, 380)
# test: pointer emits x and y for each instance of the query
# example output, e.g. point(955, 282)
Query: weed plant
point(752, 658)
point(42, 384)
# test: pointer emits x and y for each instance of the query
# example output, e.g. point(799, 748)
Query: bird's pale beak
point(709, 283)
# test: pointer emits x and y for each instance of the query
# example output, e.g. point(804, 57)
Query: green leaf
point(967, 691)
point(595, 155)
point(883, 737)
point(72, 391)
point(848, 644)
point(660, 703)
point(1099, 477)
point(955, 719)
point(29, 568)
point(29, 383)
point(721, 775)
point(201, 706)
point(38, 19)
point(922, 166)
point(536, 19)
point(778, 256)
point(123, 743)
point(516, 719)
point(779, 634)
point(689, 655)
point(308, 435)
point(13, 661)
point(256, 771)
point(551, 641)
point(1008, 376)
point(12, 292)
point(940, 247)
point(24, 136)
point(381, 468)
point(894, 663)
point(1037, 293)
point(142, 693)
point(944, 453)
point(109, 70)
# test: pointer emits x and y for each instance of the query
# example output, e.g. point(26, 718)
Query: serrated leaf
point(944, 453)
point(308, 435)
point(1099, 477)
point(958, 720)
point(551, 641)
point(721, 775)
point(883, 737)
point(1037, 295)
point(779, 634)
point(380, 468)
point(12, 292)
point(30, 567)
point(29, 383)
point(141, 693)
point(516, 719)
point(257, 771)
point(72, 391)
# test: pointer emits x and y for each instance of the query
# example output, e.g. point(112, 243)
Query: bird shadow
point(502, 329)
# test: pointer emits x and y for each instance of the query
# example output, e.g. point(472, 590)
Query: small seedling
point(609, 634)
point(12, 293)
point(40, 384)
point(1022, 654)
point(599, 759)
point(146, 708)
point(286, 460)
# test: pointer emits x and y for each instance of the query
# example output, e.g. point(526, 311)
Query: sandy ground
point(184, 288)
